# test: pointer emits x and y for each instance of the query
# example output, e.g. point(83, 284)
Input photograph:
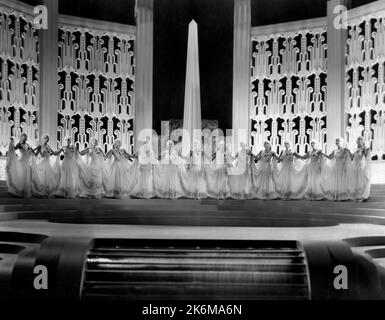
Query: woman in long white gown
point(359, 178)
point(262, 174)
point(118, 182)
point(144, 171)
point(336, 182)
point(314, 158)
point(289, 179)
point(240, 174)
point(167, 174)
point(193, 180)
point(216, 174)
point(18, 168)
point(68, 186)
point(45, 175)
point(92, 173)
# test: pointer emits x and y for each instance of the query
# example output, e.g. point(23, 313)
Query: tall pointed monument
point(192, 95)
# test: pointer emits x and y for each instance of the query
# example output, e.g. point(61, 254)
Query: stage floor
point(191, 219)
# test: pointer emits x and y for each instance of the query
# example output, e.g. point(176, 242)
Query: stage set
point(151, 72)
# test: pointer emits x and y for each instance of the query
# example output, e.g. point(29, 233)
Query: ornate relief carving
point(365, 85)
point(19, 78)
point(288, 89)
point(96, 86)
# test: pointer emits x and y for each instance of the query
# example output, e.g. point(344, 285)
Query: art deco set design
point(365, 82)
point(288, 88)
point(19, 77)
point(288, 84)
point(96, 86)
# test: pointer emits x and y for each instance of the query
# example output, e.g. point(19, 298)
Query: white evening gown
point(359, 177)
point(167, 176)
point(91, 174)
point(240, 176)
point(193, 178)
point(68, 186)
point(143, 168)
point(119, 176)
point(335, 176)
point(45, 174)
point(217, 178)
point(289, 179)
point(313, 190)
point(18, 171)
point(262, 177)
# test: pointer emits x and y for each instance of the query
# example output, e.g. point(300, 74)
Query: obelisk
point(192, 95)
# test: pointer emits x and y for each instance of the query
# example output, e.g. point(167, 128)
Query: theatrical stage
point(117, 227)
point(195, 219)
point(87, 90)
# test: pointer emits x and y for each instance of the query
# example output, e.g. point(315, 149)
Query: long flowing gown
point(18, 170)
point(335, 182)
point(45, 175)
point(289, 181)
point(240, 176)
point(262, 177)
point(313, 190)
point(217, 178)
point(194, 182)
point(91, 174)
point(118, 178)
point(144, 165)
point(69, 174)
point(359, 178)
point(167, 176)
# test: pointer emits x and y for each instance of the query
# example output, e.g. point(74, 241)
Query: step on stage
point(182, 249)
point(186, 218)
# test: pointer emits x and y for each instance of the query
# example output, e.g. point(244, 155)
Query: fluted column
point(241, 72)
point(48, 73)
point(336, 42)
point(144, 66)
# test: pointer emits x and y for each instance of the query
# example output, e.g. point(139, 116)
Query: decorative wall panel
point(19, 77)
point(365, 82)
point(288, 89)
point(96, 86)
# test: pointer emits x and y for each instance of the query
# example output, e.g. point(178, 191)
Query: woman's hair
point(117, 142)
point(342, 141)
point(23, 135)
point(221, 143)
point(169, 143)
point(362, 139)
point(315, 142)
point(93, 140)
point(44, 136)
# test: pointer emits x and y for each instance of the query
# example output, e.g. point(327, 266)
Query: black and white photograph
point(192, 155)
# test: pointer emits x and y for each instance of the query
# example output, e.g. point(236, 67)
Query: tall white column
point(336, 41)
point(48, 73)
point(144, 66)
point(192, 119)
point(241, 72)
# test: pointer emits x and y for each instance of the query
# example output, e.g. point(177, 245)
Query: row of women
point(42, 172)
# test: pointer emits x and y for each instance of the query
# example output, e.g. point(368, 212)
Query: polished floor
point(190, 219)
